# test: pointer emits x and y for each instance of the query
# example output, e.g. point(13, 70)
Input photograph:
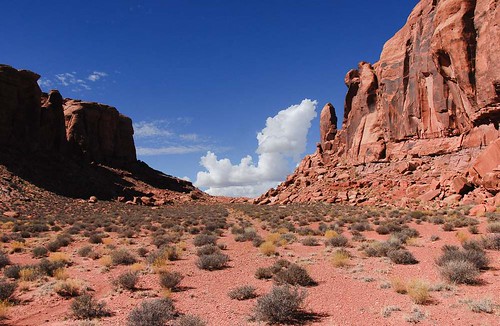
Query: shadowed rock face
point(98, 132)
point(68, 146)
point(33, 121)
point(432, 98)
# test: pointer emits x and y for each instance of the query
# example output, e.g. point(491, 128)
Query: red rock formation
point(75, 148)
point(433, 97)
point(98, 132)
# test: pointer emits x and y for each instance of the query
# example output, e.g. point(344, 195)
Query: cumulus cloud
point(145, 129)
point(96, 75)
point(283, 139)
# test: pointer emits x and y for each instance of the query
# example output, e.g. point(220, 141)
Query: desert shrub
point(207, 250)
point(283, 304)
point(459, 271)
point(247, 235)
point(39, 252)
point(491, 242)
point(337, 241)
point(170, 280)
point(244, 292)
point(383, 229)
point(381, 249)
point(84, 251)
point(212, 262)
point(204, 239)
point(476, 256)
point(493, 227)
point(4, 259)
point(95, 238)
point(361, 226)
point(294, 275)
point(142, 251)
point(264, 273)
point(47, 267)
point(401, 256)
point(152, 313)
point(6, 289)
point(127, 280)
point(416, 316)
point(257, 241)
point(68, 288)
point(418, 291)
point(448, 227)
point(310, 241)
point(12, 271)
point(190, 320)
point(87, 307)
point(387, 311)
point(53, 246)
point(482, 305)
point(122, 257)
point(473, 229)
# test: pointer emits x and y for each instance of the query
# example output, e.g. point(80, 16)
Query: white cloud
point(283, 138)
point(170, 150)
point(44, 82)
point(144, 129)
point(96, 75)
point(70, 78)
point(189, 137)
point(186, 178)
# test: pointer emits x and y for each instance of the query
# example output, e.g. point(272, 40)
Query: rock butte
point(76, 148)
point(419, 125)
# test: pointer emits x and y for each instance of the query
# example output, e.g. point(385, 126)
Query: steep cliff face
point(434, 96)
point(98, 132)
point(75, 148)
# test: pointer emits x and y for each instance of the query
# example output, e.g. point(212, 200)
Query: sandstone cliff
point(75, 148)
point(417, 119)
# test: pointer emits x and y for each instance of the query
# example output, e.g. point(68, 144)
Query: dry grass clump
point(341, 258)
point(59, 257)
point(282, 305)
point(493, 227)
point(398, 285)
point(68, 288)
point(418, 291)
point(152, 313)
point(28, 274)
point(243, 292)
point(268, 248)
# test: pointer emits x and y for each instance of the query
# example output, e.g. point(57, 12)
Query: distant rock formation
point(76, 148)
point(432, 98)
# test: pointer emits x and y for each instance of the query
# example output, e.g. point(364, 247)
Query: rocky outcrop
point(98, 132)
point(433, 96)
point(74, 148)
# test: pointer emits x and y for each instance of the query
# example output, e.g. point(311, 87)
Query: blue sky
point(204, 75)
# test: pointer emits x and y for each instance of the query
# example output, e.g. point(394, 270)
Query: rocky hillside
point(421, 124)
point(72, 148)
